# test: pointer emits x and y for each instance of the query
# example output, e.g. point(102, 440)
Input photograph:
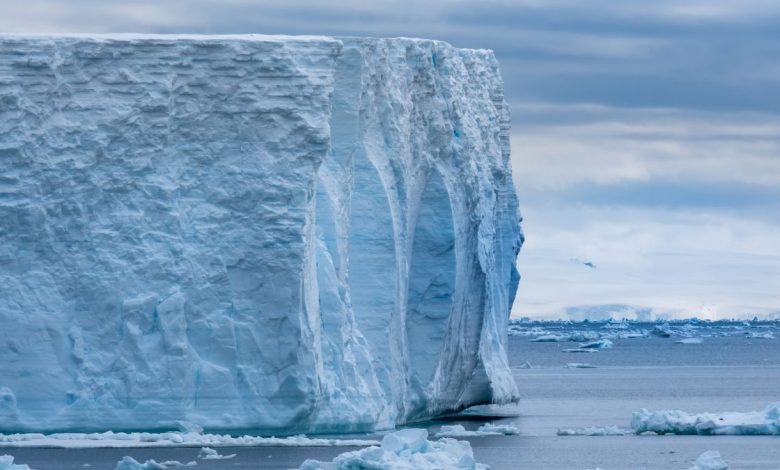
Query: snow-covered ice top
point(281, 234)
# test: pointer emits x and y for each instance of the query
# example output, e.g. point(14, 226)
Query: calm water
point(727, 372)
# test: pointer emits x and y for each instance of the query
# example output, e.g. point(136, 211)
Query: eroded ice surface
point(281, 234)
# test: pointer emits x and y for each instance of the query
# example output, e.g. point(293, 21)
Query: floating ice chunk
point(525, 365)
point(579, 350)
point(595, 431)
point(600, 344)
point(689, 341)
point(760, 335)
point(7, 463)
point(505, 429)
point(710, 460)
point(168, 439)
point(207, 453)
point(550, 339)
point(129, 463)
point(664, 330)
point(488, 429)
point(766, 422)
point(492, 411)
point(579, 365)
point(408, 449)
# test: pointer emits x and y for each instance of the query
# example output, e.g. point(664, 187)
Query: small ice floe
point(207, 453)
point(596, 431)
point(129, 463)
point(756, 423)
point(167, 439)
point(488, 429)
point(579, 350)
point(7, 463)
point(492, 411)
point(689, 341)
point(405, 449)
point(600, 344)
point(663, 330)
point(525, 365)
point(550, 339)
point(579, 365)
point(760, 335)
point(710, 460)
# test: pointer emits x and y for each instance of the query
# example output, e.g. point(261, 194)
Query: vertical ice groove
point(282, 234)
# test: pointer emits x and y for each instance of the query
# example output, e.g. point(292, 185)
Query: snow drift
point(282, 234)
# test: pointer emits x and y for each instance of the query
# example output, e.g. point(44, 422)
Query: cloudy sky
point(646, 135)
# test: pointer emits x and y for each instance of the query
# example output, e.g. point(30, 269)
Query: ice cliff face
point(280, 234)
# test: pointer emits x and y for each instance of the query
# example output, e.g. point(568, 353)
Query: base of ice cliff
point(276, 234)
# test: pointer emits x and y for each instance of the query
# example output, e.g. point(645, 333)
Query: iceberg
point(406, 449)
point(766, 422)
point(710, 460)
point(487, 429)
point(266, 233)
point(129, 463)
point(7, 463)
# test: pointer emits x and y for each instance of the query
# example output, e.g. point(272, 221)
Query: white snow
point(766, 422)
point(169, 439)
point(406, 449)
point(129, 463)
point(488, 429)
point(595, 431)
point(207, 453)
point(579, 365)
point(268, 233)
point(7, 463)
point(710, 460)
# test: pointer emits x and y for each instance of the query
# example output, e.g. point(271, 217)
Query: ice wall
point(277, 234)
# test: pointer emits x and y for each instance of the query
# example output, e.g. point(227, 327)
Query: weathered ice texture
point(277, 234)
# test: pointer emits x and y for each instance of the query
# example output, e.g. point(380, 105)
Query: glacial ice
point(129, 463)
point(282, 234)
point(766, 422)
point(7, 463)
point(487, 429)
point(207, 453)
point(406, 449)
point(710, 460)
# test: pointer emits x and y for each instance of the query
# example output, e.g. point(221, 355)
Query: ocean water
point(728, 371)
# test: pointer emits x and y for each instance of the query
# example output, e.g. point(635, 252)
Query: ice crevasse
point(282, 234)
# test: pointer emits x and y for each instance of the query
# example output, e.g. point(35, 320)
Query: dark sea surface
point(728, 371)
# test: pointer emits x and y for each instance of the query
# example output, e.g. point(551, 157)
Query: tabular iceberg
point(281, 234)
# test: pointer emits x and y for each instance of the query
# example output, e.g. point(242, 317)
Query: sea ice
point(710, 460)
point(207, 453)
point(766, 422)
point(595, 431)
point(600, 344)
point(408, 449)
point(689, 341)
point(129, 463)
point(7, 463)
point(579, 365)
point(168, 439)
point(276, 233)
point(488, 429)
point(579, 350)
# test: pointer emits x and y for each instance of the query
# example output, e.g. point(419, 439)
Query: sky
point(645, 138)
